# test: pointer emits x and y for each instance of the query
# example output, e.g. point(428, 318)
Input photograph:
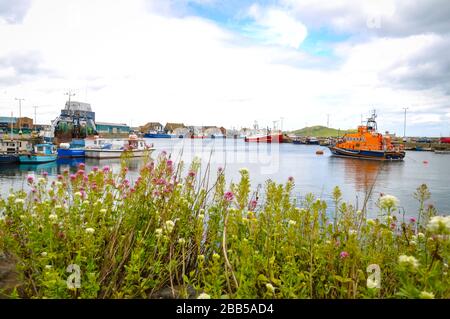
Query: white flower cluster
point(408, 261)
point(388, 202)
point(439, 224)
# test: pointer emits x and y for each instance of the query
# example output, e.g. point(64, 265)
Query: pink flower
point(228, 196)
point(66, 172)
point(290, 179)
point(344, 254)
point(191, 173)
point(163, 153)
point(80, 172)
point(45, 174)
point(73, 177)
point(85, 178)
point(59, 177)
point(220, 169)
point(81, 166)
point(132, 190)
point(30, 179)
point(95, 168)
point(125, 169)
point(169, 163)
point(393, 225)
point(33, 190)
point(253, 204)
point(412, 220)
point(105, 169)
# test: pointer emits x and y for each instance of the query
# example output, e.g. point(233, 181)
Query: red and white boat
point(445, 140)
point(265, 138)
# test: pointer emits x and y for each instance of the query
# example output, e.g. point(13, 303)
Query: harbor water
point(317, 174)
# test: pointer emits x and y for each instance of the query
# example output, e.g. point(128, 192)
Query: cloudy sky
point(231, 62)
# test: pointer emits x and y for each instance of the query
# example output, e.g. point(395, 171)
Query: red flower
point(344, 254)
point(228, 196)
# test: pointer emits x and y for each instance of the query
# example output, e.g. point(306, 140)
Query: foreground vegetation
point(168, 235)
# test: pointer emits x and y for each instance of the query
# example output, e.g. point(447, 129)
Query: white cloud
point(277, 26)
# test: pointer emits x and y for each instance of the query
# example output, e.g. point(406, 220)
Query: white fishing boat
point(114, 148)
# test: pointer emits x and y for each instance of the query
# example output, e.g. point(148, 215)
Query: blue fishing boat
point(74, 149)
point(41, 153)
point(157, 134)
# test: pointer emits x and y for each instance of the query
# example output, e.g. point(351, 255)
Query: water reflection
point(362, 173)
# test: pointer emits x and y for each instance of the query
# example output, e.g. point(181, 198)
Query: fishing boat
point(157, 134)
point(11, 149)
point(72, 149)
point(265, 138)
point(367, 143)
point(114, 148)
point(40, 153)
point(312, 141)
point(444, 140)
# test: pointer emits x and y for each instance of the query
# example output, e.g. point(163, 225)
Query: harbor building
point(112, 128)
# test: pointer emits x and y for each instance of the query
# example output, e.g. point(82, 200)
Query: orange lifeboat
point(367, 143)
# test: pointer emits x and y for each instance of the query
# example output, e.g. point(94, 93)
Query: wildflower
point(58, 184)
point(105, 169)
point(421, 235)
point(81, 166)
point(95, 168)
point(59, 177)
point(86, 202)
point(19, 201)
point(103, 211)
point(228, 196)
point(426, 295)
point(372, 283)
point(388, 202)
point(48, 267)
point(243, 171)
point(328, 242)
point(169, 226)
point(344, 254)
point(292, 222)
point(169, 162)
point(41, 180)
point(158, 232)
point(371, 222)
point(352, 232)
point(77, 194)
point(45, 174)
point(72, 177)
point(204, 296)
point(270, 288)
point(220, 169)
point(90, 230)
point(439, 224)
point(413, 243)
point(216, 256)
point(291, 179)
point(181, 241)
point(30, 179)
point(201, 217)
point(408, 261)
point(53, 216)
point(191, 174)
point(201, 258)
point(44, 254)
point(412, 220)
point(253, 204)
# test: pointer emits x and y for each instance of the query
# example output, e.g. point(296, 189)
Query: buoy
point(425, 162)
point(319, 152)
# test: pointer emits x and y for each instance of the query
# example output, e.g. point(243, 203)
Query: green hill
point(320, 131)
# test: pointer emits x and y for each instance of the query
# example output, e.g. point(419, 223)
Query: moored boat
point(265, 138)
point(108, 148)
point(41, 153)
point(72, 150)
point(367, 143)
point(157, 134)
point(11, 149)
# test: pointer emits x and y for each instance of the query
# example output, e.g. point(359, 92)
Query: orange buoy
point(319, 152)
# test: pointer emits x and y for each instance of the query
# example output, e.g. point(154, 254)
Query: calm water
point(312, 173)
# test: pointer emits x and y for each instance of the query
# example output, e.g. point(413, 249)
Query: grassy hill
point(320, 131)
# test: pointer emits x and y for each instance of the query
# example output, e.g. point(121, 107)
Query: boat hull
point(9, 158)
point(32, 159)
point(105, 153)
point(265, 139)
point(365, 154)
point(157, 135)
point(70, 153)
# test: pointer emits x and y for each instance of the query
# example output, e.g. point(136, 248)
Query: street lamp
point(404, 125)
point(70, 94)
point(20, 113)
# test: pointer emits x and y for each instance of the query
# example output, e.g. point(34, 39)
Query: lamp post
point(20, 113)
point(404, 124)
point(70, 94)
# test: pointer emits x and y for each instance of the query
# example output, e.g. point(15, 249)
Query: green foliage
point(321, 131)
point(167, 231)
